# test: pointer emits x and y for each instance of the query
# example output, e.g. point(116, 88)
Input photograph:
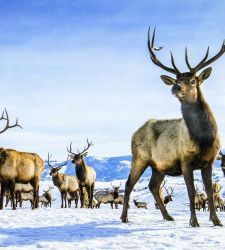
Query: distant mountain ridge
point(109, 168)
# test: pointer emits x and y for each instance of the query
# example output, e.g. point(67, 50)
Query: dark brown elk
point(178, 146)
point(64, 183)
point(108, 197)
point(222, 158)
point(140, 204)
point(86, 175)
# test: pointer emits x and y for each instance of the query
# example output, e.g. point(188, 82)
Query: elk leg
point(154, 186)
point(3, 187)
point(207, 180)
point(189, 180)
point(91, 195)
point(65, 199)
point(137, 169)
point(81, 196)
point(12, 193)
point(76, 199)
point(61, 199)
point(7, 201)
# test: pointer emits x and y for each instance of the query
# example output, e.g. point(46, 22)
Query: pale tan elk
point(64, 183)
point(20, 167)
point(178, 146)
point(86, 175)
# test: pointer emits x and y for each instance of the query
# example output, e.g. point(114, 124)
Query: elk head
point(54, 170)
point(77, 159)
point(186, 85)
point(116, 190)
point(5, 117)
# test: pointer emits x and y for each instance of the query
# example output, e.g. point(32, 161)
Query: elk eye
point(192, 82)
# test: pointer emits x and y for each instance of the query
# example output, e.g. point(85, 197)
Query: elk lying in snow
point(65, 183)
point(178, 146)
point(141, 204)
point(108, 197)
point(86, 175)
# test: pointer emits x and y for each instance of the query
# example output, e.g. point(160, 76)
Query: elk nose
point(176, 88)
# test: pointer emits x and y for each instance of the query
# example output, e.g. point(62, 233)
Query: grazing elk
point(26, 197)
point(178, 146)
point(86, 175)
point(108, 197)
point(222, 158)
point(140, 204)
point(64, 183)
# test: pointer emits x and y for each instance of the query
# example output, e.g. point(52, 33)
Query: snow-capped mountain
point(111, 168)
point(107, 169)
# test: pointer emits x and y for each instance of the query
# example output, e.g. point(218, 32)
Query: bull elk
point(64, 183)
point(178, 146)
point(86, 175)
point(48, 196)
point(221, 157)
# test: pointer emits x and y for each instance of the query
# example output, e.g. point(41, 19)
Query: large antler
point(58, 167)
point(89, 144)
point(155, 60)
point(7, 126)
point(203, 63)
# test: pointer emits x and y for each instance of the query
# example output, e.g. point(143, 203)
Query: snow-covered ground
point(56, 228)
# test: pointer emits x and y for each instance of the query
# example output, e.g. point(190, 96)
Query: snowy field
point(56, 228)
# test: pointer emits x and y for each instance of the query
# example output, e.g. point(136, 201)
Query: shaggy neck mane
point(81, 171)
point(200, 122)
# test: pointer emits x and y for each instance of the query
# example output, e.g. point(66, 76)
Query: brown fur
point(19, 167)
point(178, 146)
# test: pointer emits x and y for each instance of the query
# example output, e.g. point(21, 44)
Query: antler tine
point(49, 157)
point(153, 56)
point(186, 59)
point(7, 126)
point(200, 65)
point(214, 58)
point(88, 146)
point(173, 63)
point(70, 149)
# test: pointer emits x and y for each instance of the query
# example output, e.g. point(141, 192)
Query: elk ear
point(168, 80)
point(204, 75)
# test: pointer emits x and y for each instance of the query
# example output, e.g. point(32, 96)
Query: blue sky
point(76, 69)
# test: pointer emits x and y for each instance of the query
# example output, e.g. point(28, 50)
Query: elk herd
point(170, 147)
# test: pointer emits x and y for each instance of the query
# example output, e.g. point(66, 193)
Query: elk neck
point(58, 179)
point(200, 122)
point(81, 170)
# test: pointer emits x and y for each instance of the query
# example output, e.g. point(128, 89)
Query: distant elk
point(18, 167)
point(221, 157)
point(22, 188)
point(64, 183)
point(108, 197)
point(86, 175)
point(140, 204)
point(119, 200)
point(178, 146)
point(200, 200)
point(165, 199)
point(48, 196)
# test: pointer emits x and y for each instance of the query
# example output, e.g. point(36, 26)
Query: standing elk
point(178, 146)
point(108, 197)
point(22, 188)
point(64, 183)
point(86, 175)
point(73, 196)
point(48, 196)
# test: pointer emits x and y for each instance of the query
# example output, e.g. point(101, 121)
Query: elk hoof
point(217, 222)
point(168, 217)
point(124, 219)
point(194, 223)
